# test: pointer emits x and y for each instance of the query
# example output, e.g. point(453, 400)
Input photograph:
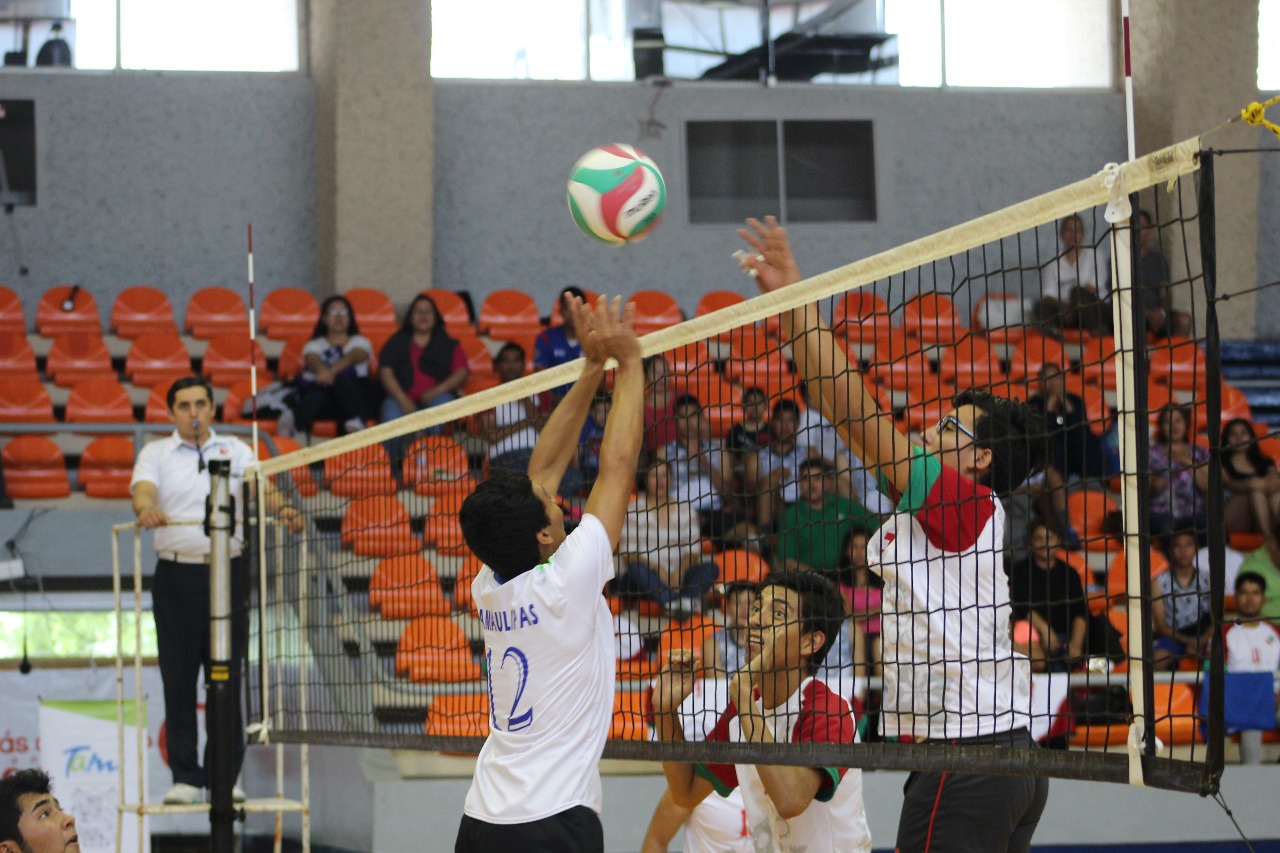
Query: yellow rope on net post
point(1256, 114)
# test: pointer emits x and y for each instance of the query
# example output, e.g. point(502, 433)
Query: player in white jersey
point(775, 698)
point(949, 668)
point(548, 632)
point(1251, 651)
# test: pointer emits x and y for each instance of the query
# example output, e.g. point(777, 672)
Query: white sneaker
point(286, 425)
point(237, 794)
point(182, 794)
point(353, 425)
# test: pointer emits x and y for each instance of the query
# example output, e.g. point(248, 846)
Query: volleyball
point(616, 194)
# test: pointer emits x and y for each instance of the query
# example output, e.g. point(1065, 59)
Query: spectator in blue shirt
point(559, 344)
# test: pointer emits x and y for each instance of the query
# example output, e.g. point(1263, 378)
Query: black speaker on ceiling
point(647, 45)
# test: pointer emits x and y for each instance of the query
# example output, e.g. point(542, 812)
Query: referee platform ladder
point(138, 806)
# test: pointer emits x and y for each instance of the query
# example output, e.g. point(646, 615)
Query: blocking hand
point(771, 256)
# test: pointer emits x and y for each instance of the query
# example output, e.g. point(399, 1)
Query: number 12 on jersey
point(516, 719)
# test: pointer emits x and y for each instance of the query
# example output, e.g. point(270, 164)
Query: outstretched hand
point(607, 330)
point(675, 681)
point(771, 257)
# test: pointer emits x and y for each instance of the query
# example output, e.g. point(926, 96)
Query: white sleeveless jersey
point(548, 637)
point(719, 825)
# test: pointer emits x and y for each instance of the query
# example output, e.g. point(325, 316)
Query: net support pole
point(1125, 330)
point(1217, 537)
point(221, 701)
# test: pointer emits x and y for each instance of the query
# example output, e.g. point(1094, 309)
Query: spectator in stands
point(661, 546)
point(751, 433)
point(865, 592)
point(659, 404)
point(1069, 282)
point(1251, 645)
point(592, 435)
point(702, 474)
point(1180, 608)
point(334, 384)
point(779, 464)
point(511, 429)
point(725, 651)
point(1153, 284)
point(31, 819)
point(813, 528)
point(171, 484)
point(1179, 474)
point(1265, 562)
point(1251, 480)
point(1075, 452)
point(817, 433)
point(420, 365)
point(559, 344)
point(1047, 593)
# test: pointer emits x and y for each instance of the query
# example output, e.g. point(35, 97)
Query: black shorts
point(969, 813)
point(577, 830)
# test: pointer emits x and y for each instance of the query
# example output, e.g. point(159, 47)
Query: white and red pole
point(253, 349)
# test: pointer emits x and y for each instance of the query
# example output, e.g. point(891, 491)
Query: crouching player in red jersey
point(775, 698)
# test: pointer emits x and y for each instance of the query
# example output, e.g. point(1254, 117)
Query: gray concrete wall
point(504, 150)
point(152, 178)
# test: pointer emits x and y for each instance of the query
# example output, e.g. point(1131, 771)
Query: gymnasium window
point(70, 634)
point(1268, 38)
point(164, 35)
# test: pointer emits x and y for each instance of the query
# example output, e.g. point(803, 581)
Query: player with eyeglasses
point(950, 672)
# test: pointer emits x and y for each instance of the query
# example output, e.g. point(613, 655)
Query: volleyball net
point(748, 470)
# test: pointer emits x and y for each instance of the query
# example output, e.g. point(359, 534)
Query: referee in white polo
point(170, 484)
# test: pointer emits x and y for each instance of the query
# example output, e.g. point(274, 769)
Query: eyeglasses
point(952, 420)
point(337, 312)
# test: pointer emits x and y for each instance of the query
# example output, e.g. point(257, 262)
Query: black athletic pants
point(969, 813)
point(180, 605)
point(577, 830)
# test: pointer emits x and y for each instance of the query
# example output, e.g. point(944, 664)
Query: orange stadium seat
point(902, 371)
point(360, 472)
point(714, 300)
point(76, 356)
point(1098, 361)
point(1032, 353)
point(213, 311)
point(932, 318)
point(769, 370)
point(1095, 402)
point(970, 364)
point(288, 312)
point(453, 310)
point(378, 526)
point(686, 634)
point(751, 342)
point(1173, 709)
point(1088, 510)
point(227, 358)
point(157, 408)
point(628, 721)
point(426, 637)
point(12, 316)
point(738, 565)
point(24, 399)
point(373, 310)
point(52, 318)
point(142, 310)
point(155, 358)
point(1117, 573)
point(106, 467)
point(462, 600)
point(687, 358)
point(655, 309)
point(437, 465)
point(440, 529)
point(17, 358)
point(34, 467)
point(1178, 363)
point(479, 359)
point(505, 313)
point(99, 401)
point(859, 307)
point(999, 316)
point(1234, 403)
point(290, 364)
point(300, 476)
point(406, 587)
point(458, 715)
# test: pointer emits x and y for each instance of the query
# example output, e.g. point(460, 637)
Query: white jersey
point(835, 821)
point(949, 667)
point(717, 824)
point(1060, 276)
point(549, 645)
point(1254, 647)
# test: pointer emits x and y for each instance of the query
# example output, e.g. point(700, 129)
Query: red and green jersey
point(949, 667)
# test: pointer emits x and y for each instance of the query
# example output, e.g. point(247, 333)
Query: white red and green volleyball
point(616, 194)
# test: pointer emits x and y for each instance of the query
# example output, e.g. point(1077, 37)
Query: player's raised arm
point(611, 334)
point(558, 441)
point(822, 361)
